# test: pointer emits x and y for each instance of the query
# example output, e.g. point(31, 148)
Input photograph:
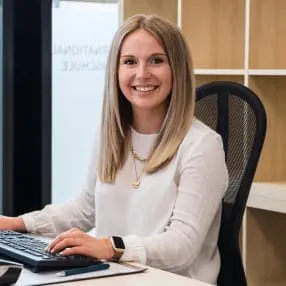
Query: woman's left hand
point(75, 241)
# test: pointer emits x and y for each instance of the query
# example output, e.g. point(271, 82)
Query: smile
point(144, 88)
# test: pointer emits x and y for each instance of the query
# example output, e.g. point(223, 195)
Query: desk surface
point(152, 277)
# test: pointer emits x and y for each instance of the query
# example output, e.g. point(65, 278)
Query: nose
point(142, 71)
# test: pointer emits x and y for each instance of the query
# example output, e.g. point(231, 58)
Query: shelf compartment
point(214, 30)
point(267, 34)
point(268, 196)
point(272, 163)
point(167, 9)
point(265, 247)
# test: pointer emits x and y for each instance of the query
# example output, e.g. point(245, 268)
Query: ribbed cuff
point(134, 250)
point(30, 222)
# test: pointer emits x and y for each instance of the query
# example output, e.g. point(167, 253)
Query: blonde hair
point(117, 113)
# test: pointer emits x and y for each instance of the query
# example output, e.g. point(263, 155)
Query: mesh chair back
point(238, 115)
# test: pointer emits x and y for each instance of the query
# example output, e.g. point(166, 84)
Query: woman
point(157, 176)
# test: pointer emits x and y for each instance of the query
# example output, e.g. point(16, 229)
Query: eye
point(156, 60)
point(128, 61)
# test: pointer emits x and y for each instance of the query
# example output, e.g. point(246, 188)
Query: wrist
point(17, 224)
point(108, 248)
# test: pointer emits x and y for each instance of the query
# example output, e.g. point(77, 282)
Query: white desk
point(151, 277)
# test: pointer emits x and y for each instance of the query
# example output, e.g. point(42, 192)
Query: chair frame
point(232, 271)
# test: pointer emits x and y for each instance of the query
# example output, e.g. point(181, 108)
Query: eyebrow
point(152, 55)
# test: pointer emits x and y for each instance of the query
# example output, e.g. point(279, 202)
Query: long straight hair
point(117, 113)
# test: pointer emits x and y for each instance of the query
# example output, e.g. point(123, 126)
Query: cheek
point(168, 80)
point(122, 83)
point(123, 80)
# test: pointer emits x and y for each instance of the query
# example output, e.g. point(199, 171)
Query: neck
point(148, 121)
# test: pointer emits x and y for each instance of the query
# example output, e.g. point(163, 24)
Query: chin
point(144, 104)
point(144, 107)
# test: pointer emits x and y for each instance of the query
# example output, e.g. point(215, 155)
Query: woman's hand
point(75, 241)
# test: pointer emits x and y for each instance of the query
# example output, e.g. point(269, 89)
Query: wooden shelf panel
point(267, 34)
point(165, 8)
point(268, 196)
point(214, 30)
point(272, 163)
point(265, 247)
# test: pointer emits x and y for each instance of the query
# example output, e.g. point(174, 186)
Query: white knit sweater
point(170, 222)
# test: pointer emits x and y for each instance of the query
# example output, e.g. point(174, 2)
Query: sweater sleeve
point(202, 182)
point(78, 212)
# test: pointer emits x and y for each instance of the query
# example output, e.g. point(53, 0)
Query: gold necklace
point(136, 156)
point(136, 183)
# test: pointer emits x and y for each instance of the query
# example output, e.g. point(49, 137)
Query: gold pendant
point(136, 184)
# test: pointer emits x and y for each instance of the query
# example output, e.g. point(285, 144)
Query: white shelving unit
point(268, 196)
point(267, 72)
point(219, 72)
point(244, 41)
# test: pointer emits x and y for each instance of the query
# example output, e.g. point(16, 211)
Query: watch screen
point(118, 241)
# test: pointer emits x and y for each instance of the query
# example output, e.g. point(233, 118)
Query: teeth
point(144, 88)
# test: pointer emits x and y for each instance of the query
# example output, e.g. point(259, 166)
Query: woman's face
point(144, 73)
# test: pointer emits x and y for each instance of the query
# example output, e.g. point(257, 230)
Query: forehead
point(140, 42)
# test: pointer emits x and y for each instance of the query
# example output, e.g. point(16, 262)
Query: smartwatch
point(118, 247)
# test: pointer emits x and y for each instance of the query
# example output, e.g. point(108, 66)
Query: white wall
point(81, 36)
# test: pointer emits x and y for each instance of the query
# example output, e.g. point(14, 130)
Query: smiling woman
point(157, 175)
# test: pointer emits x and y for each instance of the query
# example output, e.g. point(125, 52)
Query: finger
point(69, 233)
point(76, 250)
point(65, 243)
point(54, 242)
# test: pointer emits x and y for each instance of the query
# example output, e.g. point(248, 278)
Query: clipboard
point(29, 278)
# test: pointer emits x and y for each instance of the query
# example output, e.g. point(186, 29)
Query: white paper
point(3, 269)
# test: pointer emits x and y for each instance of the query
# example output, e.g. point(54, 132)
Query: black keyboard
point(30, 251)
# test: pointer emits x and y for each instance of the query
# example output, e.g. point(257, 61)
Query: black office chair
point(235, 112)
